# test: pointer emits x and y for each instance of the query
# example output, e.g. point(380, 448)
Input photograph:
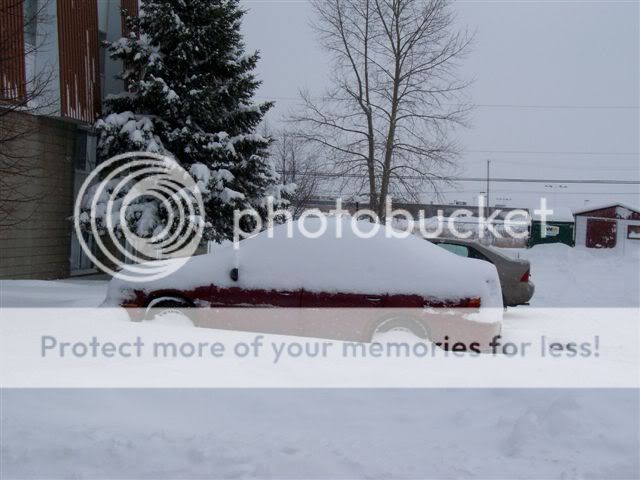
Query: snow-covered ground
point(323, 433)
point(581, 277)
point(78, 292)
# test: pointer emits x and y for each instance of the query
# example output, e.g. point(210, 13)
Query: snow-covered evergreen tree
point(189, 89)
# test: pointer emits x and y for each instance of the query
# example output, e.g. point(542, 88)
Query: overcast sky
point(526, 55)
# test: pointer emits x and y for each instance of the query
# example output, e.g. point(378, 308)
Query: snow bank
point(581, 277)
point(76, 292)
point(525, 434)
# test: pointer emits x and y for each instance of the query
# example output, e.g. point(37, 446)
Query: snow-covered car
point(338, 285)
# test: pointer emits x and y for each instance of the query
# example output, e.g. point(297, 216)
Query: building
point(613, 225)
point(54, 74)
point(326, 203)
point(466, 219)
point(559, 228)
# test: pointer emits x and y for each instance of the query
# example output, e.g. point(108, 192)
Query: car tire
point(163, 306)
point(402, 324)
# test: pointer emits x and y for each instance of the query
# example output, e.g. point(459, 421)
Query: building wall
point(36, 241)
point(614, 211)
point(12, 73)
point(581, 231)
point(68, 54)
point(623, 244)
point(428, 210)
point(35, 238)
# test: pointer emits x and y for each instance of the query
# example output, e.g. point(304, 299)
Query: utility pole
point(488, 177)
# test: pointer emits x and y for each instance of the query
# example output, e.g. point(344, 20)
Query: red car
point(338, 285)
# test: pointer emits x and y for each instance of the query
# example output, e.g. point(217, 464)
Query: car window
point(473, 253)
point(460, 250)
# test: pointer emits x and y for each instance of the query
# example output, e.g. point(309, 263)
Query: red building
point(612, 225)
point(54, 75)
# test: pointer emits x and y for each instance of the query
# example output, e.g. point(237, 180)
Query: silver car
point(517, 288)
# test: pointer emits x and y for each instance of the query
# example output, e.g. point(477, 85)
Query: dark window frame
point(635, 229)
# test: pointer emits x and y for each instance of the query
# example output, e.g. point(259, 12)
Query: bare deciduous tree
point(296, 162)
point(31, 95)
point(395, 93)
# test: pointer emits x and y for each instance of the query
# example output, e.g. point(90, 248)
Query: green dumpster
point(559, 228)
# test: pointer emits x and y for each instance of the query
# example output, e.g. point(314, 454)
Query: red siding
point(610, 212)
point(131, 6)
point(601, 233)
point(12, 70)
point(79, 61)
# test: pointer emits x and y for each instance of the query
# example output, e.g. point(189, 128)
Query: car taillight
point(473, 303)
point(525, 277)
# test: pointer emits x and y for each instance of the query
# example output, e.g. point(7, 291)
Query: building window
point(30, 21)
point(633, 232)
point(84, 158)
point(80, 150)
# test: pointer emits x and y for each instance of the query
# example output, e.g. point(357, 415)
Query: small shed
point(559, 228)
point(613, 225)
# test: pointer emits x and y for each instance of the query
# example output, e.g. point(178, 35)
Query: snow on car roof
point(375, 265)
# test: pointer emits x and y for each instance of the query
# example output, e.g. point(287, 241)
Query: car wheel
point(401, 325)
point(171, 310)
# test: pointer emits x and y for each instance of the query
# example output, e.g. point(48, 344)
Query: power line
point(541, 180)
point(549, 2)
point(476, 179)
point(497, 105)
point(560, 107)
point(551, 152)
point(554, 167)
point(502, 192)
point(549, 192)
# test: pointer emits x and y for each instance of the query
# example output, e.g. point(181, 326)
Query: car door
point(505, 274)
point(254, 310)
point(339, 315)
point(468, 251)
